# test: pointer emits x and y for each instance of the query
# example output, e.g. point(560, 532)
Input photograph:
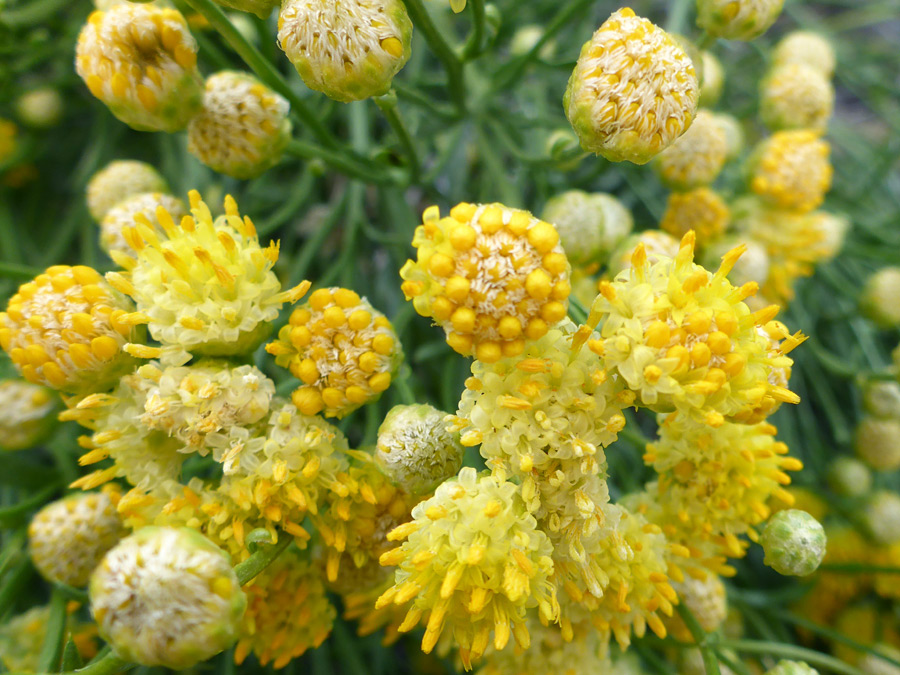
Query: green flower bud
point(589, 225)
point(737, 19)
point(877, 442)
point(794, 543)
point(792, 668)
point(415, 450)
point(879, 299)
point(849, 477)
point(26, 414)
point(882, 517)
point(167, 597)
point(882, 399)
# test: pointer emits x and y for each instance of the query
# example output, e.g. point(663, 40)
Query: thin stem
point(474, 45)
point(256, 563)
point(710, 662)
point(452, 64)
point(388, 105)
point(678, 16)
point(55, 630)
point(791, 652)
point(10, 515)
point(346, 165)
point(834, 635)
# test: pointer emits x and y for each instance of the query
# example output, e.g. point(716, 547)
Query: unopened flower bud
point(832, 230)
point(580, 219)
point(879, 299)
point(849, 477)
point(794, 543)
point(737, 19)
point(167, 597)
point(882, 517)
point(118, 181)
point(795, 96)
point(657, 244)
point(792, 668)
point(882, 399)
point(704, 596)
point(415, 450)
point(697, 157)
point(875, 664)
point(26, 414)
point(702, 210)
point(808, 48)
point(791, 170)
point(40, 108)
point(122, 216)
point(877, 441)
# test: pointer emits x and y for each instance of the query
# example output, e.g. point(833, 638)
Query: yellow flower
point(473, 562)
point(359, 606)
point(118, 181)
point(795, 96)
point(737, 19)
point(590, 225)
point(702, 210)
point(491, 276)
point(682, 338)
point(287, 612)
point(26, 414)
point(790, 170)
point(808, 48)
point(205, 286)
point(123, 214)
point(242, 128)
point(141, 61)
point(343, 350)
point(68, 537)
point(67, 329)
point(633, 91)
point(657, 245)
point(695, 158)
point(349, 50)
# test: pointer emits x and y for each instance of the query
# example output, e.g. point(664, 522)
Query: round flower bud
point(704, 596)
point(26, 414)
point(701, 210)
point(204, 285)
point(810, 49)
point(415, 450)
point(617, 219)
point(66, 329)
point(243, 126)
point(123, 214)
point(68, 538)
point(713, 80)
point(526, 37)
point(792, 668)
point(118, 181)
point(167, 597)
point(40, 108)
point(491, 276)
point(795, 96)
point(734, 134)
point(882, 517)
point(348, 50)
point(633, 92)
point(849, 477)
point(882, 399)
point(697, 157)
point(794, 543)
point(344, 350)
point(877, 442)
point(752, 266)
point(656, 243)
point(589, 224)
point(879, 299)
point(791, 170)
point(831, 229)
point(141, 61)
point(737, 19)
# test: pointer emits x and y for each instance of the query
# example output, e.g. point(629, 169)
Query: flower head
point(682, 338)
point(349, 50)
point(118, 181)
point(40, 108)
point(752, 266)
point(242, 128)
point(734, 134)
point(590, 225)
point(26, 414)
point(141, 61)
point(695, 158)
point(167, 597)
point(123, 214)
point(633, 91)
point(794, 543)
point(492, 277)
point(737, 19)
point(876, 442)
point(790, 170)
point(832, 229)
point(415, 449)
point(343, 350)
point(287, 612)
point(879, 297)
point(881, 517)
point(67, 328)
point(205, 286)
point(473, 562)
point(22, 637)
point(882, 399)
point(849, 477)
point(702, 210)
point(796, 96)
point(808, 48)
point(68, 537)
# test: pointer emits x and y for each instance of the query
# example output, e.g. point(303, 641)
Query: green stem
point(787, 651)
point(705, 41)
point(388, 105)
point(11, 515)
point(256, 563)
point(19, 271)
point(337, 160)
point(405, 390)
point(834, 635)
point(52, 648)
point(313, 245)
point(474, 43)
point(710, 662)
point(452, 64)
point(264, 69)
point(33, 13)
point(13, 582)
point(678, 16)
point(858, 568)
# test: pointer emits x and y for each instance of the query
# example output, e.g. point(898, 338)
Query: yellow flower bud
point(697, 157)
point(123, 214)
point(737, 19)
point(791, 170)
point(808, 48)
point(795, 96)
point(26, 414)
point(118, 181)
point(701, 210)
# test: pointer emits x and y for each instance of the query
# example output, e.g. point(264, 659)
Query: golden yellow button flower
point(492, 277)
point(697, 157)
point(141, 61)
point(791, 170)
point(67, 328)
point(795, 96)
point(702, 210)
point(343, 350)
point(634, 90)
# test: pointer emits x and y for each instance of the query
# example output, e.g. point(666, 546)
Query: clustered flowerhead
point(205, 285)
point(123, 215)
point(141, 61)
point(473, 562)
point(737, 19)
point(796, 96)
point(696, 158)
point(342, 349)
point(348, 50)
point(790, 170)
point(67, 329)
point(492, 277)
point(26, 414)
point(242, 128)
point(702, 210)
point(713, 80)
point(68, 538)
point(633, 92)
point(167, 597)
point(118, 181)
